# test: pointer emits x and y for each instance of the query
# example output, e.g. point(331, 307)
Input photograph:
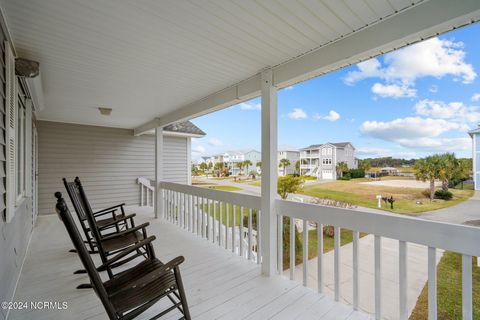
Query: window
point(327, 161)
point(329, 151)
point(21, 150)
point(324, 152)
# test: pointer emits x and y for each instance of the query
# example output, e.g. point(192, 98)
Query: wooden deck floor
point(219, 284)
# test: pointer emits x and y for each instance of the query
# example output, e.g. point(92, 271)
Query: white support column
point(158, 202)
point(269, 174)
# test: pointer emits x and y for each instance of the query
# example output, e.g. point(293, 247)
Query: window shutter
point(11, 122)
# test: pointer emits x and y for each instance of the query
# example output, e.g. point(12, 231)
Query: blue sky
point(410, 103)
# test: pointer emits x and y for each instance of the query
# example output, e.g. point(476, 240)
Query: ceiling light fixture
point(105, 111)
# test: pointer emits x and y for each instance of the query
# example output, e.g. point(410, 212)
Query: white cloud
point(416, 132)
point(454, 110)
point(297, 114)
point(215, 142)
point(198, 150)
point(476, 97)
point(433, 89)
point(438, 144)
point(250, 106)
point(331, 116)
point(393, 90)
point(407, 128)
point(289, 88)
point(431, 58)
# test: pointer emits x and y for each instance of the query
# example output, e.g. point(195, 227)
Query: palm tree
point(258, 164)
point(284, 163)
point(428, 169)
point(341, 168)
point(247, 164)
point(364, 165)
point(450, 169)
point(239, 165)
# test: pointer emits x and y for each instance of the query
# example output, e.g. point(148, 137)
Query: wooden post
point(269, 174)
point(158, 203)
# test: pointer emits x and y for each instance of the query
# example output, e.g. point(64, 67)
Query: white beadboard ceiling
point(145, 58)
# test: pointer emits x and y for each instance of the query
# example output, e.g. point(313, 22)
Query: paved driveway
point(465, 211)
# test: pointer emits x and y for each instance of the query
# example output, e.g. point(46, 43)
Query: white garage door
point(327, 175)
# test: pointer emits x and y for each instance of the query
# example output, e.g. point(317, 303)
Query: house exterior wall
point(321, 160)
point(15, 234)
point(107, 160)
point(292, 156)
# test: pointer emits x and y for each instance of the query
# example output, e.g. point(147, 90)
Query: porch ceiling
point(148, 58)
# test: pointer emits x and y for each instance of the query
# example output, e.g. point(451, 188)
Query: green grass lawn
point(365, 195)
point(238, 213)
point(328, 244)
point(449, 290)
point(224, 188)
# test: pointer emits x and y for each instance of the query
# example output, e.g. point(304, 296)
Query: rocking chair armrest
point(130, 230)
point(110, 208)
point(118, 220)
point(129, 250)
point(99, 214)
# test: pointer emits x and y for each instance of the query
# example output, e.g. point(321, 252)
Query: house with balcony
point(233, 158)
point(83, 84)
point(320, 160)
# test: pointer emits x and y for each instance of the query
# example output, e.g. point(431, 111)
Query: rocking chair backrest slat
point(91, 219)
point(74, 194)
point(87, 262)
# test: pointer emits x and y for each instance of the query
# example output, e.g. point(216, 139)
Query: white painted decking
point(219, 284)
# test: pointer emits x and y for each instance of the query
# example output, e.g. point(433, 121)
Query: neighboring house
point(232, 158)
point(390, 171)
point(291, 155)
point(108, 160)
point(320, 160)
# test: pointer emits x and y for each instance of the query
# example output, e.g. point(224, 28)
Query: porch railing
point(147, 192)
point(226, 218)
point(229, 219)
point(435, 235)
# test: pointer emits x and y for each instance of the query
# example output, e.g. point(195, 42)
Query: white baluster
point(250, 228)
point(292, 248)
point(234, 225)
point(378, 276)
point(356, 238)
point(336, 257)
point(241, 231)
point(403, 279)
point(320, 257)
point(305, 252)
point(467, 287)
point(220, 222)
point(432, 283)
point(259, 245)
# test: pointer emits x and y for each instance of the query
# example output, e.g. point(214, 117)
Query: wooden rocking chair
point(111, 243)
point(134, 291)
point(117, 221)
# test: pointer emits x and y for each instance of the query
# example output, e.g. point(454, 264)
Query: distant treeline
point(390, 162)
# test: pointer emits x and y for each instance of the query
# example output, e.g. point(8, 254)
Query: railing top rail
point(459, 238)
point(245, 200)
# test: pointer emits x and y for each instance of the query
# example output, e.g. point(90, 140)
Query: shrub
point(356, 173)
point(329, 231)
point(445, 195)
point(346, 176)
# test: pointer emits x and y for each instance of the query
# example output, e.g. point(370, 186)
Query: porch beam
point(422, 21)
point(158, 201)
point(269, 174)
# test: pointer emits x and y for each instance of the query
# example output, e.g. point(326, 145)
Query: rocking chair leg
point(181, 292)
point(84, 286)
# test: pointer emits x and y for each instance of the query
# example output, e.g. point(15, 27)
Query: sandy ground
point(402, 184)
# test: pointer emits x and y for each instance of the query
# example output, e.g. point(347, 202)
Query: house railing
point(147, 192)
point(435, 235)
point(227, 218)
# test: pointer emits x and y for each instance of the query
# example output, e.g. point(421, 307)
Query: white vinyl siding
point(107, 160)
